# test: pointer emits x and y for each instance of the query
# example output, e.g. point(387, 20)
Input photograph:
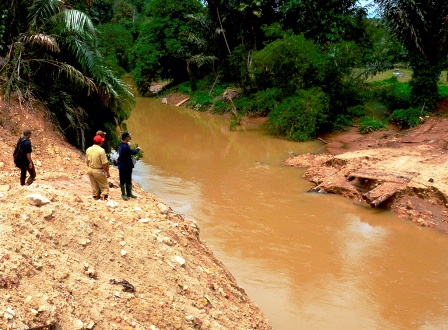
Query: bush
point(200, 100)
point(220, 107)
point(395, 94)
point(299, 117)
point(184, 88)
point(407, 118)
point(341, 123)
point(443, 92)
point(369, 124)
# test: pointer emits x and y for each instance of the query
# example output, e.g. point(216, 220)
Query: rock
point(123, 252)
point(79, 325)
point(168, 241)
point(164, 100)
point(163, 208)
point(144, 220)
point(48, 214)
point(179, 260)
point(38, 163)
point(37, 199)
point(8, 316)
point(90, 325)
point(9, 310)
point(112, 204)
point(91, 272)
point(113, 183)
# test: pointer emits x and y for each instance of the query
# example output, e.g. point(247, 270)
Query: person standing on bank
point(125, 165)
point(98, 171)
point(25, 163)
point(103, 135)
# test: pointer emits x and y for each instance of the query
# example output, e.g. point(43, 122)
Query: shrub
point(341, 123)
point(200, 100)
point(396, 95)
point(184, 88)
point(299, 117)
point(369, 124)
point(356, 111)
point(443, 92)
point(406, 118)
point(220, 107)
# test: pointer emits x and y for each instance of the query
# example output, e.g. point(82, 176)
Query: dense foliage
point(51, 55)
point(304, 64)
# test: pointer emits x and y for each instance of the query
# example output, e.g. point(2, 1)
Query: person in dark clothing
point(125, 165)
point(26, 163)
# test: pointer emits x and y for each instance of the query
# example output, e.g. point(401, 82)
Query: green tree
point(422, 28)
point(115, 42)
point(52, 56)
point(122, 11)
point(324, 21)
point(163, 47)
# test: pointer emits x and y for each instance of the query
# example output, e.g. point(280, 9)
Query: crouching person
point(98, 169)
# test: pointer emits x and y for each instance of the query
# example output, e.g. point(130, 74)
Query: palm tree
point(422, 27)
point(51, 44)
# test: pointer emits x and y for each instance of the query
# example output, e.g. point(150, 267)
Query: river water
point(310, 261)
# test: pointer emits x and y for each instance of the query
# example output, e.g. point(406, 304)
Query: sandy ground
point(404, 171)
point(74, 263)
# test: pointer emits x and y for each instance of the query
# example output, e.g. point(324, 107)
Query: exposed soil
point(76, 263)
point(403, 171)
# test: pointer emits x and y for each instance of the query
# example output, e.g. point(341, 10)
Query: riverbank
point(77, 263)
point(404, 171)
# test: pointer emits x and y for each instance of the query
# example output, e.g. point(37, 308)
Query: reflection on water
point(309, 261)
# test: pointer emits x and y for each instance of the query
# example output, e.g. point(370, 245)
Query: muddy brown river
point(309, 261)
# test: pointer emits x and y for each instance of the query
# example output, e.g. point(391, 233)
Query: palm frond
point(75, 76)
point(404, 19)
point(73, 21)
point(43, 40)
point(201, 59)
point(41, 10)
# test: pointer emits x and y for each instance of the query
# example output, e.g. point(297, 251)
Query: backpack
point(18, 154)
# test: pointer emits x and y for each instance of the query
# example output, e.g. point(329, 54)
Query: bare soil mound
point(403, 171)
point(69, 262)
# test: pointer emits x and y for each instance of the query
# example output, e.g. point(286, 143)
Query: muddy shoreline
point(401, 171)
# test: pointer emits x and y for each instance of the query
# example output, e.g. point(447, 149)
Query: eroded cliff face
point(405, 172)
point(74, 263)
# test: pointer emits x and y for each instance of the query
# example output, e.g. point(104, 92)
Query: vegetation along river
point(310, 261)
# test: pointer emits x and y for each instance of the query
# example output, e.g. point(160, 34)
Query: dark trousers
point(125, 176)
point(31, 171)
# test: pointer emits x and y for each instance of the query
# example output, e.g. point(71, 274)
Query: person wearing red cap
point(98, 169)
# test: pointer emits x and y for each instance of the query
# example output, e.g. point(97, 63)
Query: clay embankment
point(76, 263)
point(405, 171)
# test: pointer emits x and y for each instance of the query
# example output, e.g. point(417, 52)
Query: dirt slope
point(405, 171)
point(75, 263)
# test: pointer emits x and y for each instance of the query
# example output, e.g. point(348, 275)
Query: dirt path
point(404, 171)
point(75, 263)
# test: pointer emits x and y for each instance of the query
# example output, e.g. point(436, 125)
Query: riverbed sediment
point(404, 171)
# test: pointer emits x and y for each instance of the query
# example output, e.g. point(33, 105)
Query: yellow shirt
point(96, 157)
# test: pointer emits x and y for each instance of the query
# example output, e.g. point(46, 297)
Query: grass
point(407, 76)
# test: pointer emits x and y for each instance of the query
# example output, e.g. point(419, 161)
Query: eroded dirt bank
point(404, 171)
point(69, 261)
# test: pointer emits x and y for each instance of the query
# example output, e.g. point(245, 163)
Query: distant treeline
point(302, 63)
